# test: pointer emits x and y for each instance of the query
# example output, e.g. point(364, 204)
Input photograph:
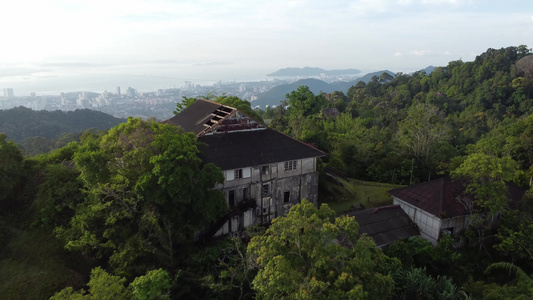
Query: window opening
point(264, 170)
point(286, 197)
point(290, 165)
point(231, 198)
point(266, 190)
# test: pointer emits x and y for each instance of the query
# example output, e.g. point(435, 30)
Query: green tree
point(422, 129)
point(338, 100)
point(154, 285)
point(310, 254)
point(515, 237)
point(385, 77)
point(11, 173)
point(416, 252)
point(416, 284)
point(233, 272)
point(186, 102)
point(520, 285)
point(424, 134)
point(147, 193)
point(486, 177)
point(102, 286)
point(57, 195)
point(303, 102)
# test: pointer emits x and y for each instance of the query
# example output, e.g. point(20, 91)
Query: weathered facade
point(266, 172)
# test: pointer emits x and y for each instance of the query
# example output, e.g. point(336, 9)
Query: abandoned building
point(265, 171)
point(440, 205)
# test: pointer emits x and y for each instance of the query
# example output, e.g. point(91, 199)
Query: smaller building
point(385, 224)
point(440, 205)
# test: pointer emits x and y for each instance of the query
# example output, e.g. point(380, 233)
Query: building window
point(290, 165)
point(266, 190)
point(264, 170)
point(238, 173)
point(231, 198)
point(286, 197)
point(245, 194)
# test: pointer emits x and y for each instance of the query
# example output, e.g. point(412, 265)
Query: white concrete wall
point(308, 165)
point(248, 218)
point(429, 224)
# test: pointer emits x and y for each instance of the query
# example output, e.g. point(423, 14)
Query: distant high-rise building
point(118, 91)
point(8, 93)
point(131, 92)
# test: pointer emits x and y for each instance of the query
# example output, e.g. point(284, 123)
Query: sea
point(55, 83)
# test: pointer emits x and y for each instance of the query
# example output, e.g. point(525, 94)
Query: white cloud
point(439, 2)
point(366, 7)
point(419, 52)
point(404, 2)
point(269, 34)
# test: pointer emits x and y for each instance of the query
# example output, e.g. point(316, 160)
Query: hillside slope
point(277, 94)
point(21, 123)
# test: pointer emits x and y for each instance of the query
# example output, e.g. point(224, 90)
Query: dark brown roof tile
point(385, 225)
point(254, 148)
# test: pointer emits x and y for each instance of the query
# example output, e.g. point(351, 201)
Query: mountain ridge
point(277, 94)
point(313, 71)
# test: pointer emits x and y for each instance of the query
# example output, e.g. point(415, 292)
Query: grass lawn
point(352, 193)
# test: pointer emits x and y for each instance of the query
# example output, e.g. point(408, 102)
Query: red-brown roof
point(439, 197)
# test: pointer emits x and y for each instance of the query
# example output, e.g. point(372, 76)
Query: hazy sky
point(212, 40)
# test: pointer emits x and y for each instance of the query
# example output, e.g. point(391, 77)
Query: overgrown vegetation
point(115, 213)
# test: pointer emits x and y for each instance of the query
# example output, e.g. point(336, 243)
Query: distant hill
point(21, 123)
point(309, 71)
point(277, 94)
point(428, 69)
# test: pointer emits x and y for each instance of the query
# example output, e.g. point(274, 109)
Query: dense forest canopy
point(118, 213)
point(407, 128)
point(41, 131)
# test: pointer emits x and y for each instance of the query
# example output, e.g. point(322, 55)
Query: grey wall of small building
point(431, 225)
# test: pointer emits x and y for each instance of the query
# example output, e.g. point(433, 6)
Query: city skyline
point(156, 44)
